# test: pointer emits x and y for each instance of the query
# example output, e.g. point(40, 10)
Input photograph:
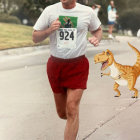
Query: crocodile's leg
point(116, 89)
point(131, 84)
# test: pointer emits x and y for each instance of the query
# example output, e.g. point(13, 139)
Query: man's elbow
point(34, 39)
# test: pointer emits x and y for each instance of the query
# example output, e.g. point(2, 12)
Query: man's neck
point(69, 6)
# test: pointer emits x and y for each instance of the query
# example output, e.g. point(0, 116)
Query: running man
point(67, 67)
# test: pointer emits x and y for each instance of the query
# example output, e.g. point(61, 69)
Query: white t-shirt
point(69, 41)
point(112, 15)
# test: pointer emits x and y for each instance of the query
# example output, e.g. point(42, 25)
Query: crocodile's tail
point(137, 64)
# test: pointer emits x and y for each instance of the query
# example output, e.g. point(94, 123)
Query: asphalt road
point(27, 105)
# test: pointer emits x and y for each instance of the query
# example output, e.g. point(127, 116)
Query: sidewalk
point(27, 104)
point(14, 58)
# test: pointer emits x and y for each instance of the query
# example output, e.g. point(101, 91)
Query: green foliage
point(133, 3)
point(9, 19)
point(31, 9)
point(130, 19)
point(8, 6)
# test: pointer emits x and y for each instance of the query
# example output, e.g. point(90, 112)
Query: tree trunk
point(4, 2)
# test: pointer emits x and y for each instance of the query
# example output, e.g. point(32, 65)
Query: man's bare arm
point(39, 36)
point(97, 36)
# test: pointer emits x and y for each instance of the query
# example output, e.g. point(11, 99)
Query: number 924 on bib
point(66, 38)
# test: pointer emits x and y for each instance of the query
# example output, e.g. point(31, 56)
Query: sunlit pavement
point(27, 105)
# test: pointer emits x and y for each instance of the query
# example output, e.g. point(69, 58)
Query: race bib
point(66, 38)
point(67, 34)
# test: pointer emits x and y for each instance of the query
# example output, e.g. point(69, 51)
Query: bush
point(130, 19)
point(9, 19)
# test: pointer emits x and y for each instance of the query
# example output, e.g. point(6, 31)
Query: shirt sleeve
point(42, 22)
point(94, 22)
point(108, 8)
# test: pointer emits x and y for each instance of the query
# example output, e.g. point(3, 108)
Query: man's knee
point(72, 110)
point(62, 114)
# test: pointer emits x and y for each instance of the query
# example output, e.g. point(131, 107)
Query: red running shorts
point(67, 73)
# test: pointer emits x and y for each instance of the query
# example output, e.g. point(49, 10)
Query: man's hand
point(39, 36)
point(55, 25)
point(94, 40)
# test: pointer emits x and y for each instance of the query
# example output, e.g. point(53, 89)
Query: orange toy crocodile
point(122, 74)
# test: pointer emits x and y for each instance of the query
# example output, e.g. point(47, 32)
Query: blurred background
point(18, 16)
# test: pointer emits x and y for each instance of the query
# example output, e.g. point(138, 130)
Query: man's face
point(67, 1)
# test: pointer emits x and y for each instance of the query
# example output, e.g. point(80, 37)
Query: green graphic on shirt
point(68, 22)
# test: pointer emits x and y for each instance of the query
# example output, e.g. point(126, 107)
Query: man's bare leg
point(60, 101)
point(72, 110)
